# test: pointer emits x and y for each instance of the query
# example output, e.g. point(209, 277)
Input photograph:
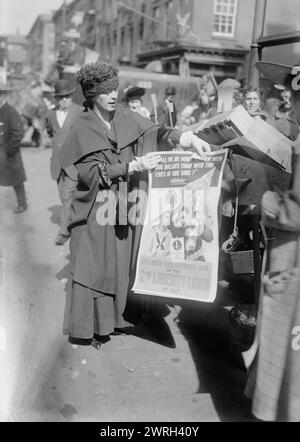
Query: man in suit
point(58, 122)
point(12, 171)
point(166, 111)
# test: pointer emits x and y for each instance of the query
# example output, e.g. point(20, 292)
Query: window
point(224, 18)
point(155, 25)
point(156, 12)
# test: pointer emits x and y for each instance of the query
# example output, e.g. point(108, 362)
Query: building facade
point(41, 44)
point(185, 37)
point(13, 55)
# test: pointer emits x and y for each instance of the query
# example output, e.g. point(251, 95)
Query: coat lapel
point(54, 122)
point(69, 118)
point(129, 126)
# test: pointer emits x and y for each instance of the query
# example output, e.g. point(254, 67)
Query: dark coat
point(11, 133)
point(59, 135)
point(163, 115)
point(103, 256)
point(89, 145)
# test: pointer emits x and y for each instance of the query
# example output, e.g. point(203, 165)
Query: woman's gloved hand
point(188, 140)
point(147, 162)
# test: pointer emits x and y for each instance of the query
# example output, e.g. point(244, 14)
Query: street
point(178, 368)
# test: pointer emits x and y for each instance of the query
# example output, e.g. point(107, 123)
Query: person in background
point(112, 150)
point(204, 105)
point(133, 98)
point(186, 117)
point(197, 110)
point(253, 103)
point(58, 123)
point(166, 111)
point(284, 119)
point(12, 172)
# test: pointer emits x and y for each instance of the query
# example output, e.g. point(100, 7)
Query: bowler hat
point(134, 92)
point(62, 88)
point(170, 90)
point(279, 73)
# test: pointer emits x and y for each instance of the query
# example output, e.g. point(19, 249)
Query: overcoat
point(12, 170)
point(103, 255)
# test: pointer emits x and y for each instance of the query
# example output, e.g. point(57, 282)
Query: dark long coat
point(103, 256)
point(12, 170)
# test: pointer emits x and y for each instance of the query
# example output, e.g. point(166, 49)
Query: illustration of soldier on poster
point(179, 250)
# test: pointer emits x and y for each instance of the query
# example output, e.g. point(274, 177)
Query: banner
point(179, 250)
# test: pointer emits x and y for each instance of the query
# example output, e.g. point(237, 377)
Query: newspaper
point(179, 250)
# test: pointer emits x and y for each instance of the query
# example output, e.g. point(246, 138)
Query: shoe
point(79, 341)
point(96, 344)
point(102, 339)
point(20, 209)
point(120, 332)
point(61, 239)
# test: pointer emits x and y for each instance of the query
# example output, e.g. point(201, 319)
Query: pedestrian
point(12, 172)
point(58, 123)
point(273, 360)
point(166, 110)
point(111, 148)
point(133, 98)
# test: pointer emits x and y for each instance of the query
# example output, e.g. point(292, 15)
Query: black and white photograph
point(149, 214)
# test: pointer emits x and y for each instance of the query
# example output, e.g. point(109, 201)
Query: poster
point(179, 250)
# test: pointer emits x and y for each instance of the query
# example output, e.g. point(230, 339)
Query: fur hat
point(97, 78)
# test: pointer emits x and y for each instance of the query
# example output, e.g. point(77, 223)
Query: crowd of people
point(107, 143)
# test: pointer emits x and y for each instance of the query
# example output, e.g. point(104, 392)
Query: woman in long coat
point(12, 171)
point(111, 148)
point(274, 358)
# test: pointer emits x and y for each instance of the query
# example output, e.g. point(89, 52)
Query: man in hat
point(58, 122)
point(133, 98)
point(12, 171)
point(166, 111)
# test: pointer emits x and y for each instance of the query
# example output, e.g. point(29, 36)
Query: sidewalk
point(177, 368)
